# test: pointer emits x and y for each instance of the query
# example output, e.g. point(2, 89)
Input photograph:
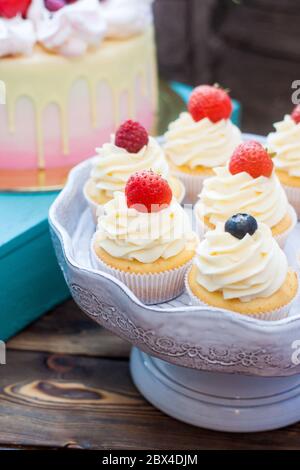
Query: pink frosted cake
point(73, 70)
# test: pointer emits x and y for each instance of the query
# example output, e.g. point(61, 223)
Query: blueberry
point(240, 224)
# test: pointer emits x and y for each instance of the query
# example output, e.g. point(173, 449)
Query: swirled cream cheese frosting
point(132, 235)
point(225, 194)
point(285, 142)
point(203, 143)
point(17, 36)
point(245, 269)
point(114, 165)
point(70, 30)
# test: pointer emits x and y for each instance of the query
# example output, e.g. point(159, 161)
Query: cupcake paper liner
point(281, 239)
point(182, 189)
point(293, 195)
point(95, 208)
point(277, 314)
point(192, 183)
point(150, 288)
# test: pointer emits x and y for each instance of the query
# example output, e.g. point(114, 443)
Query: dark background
point(251, 47)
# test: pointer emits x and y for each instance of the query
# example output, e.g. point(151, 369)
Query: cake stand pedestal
point(222, 402)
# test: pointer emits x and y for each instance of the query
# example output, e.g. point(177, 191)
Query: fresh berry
point(296, 114)
point(131, 136)
point(209, 102)
point(147, 191)
point(240, 224)
point(252, 158)
point(55, 5)
point(12, 8)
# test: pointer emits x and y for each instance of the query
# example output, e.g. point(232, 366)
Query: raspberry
point(11, 8)
point(252, 158)
point(209, 102)
point(55, 5)
point(147, 191)
point(296, 114)
point(131, 136)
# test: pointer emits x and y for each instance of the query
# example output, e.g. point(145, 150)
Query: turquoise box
point(31, 282)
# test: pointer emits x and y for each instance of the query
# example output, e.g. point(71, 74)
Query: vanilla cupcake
point(144, 238)
point(248, 183)
point(285, 144)
point(130, 150)
point(239, 267)
point(202, 138)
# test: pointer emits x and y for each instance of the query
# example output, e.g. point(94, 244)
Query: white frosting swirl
point(241, 269)
point(127, 17)
point(224, 195)
point(201, 143)
point(128, 234)
point(285, 142)
point(17, 36)
point(114, 165)
point(71, 30)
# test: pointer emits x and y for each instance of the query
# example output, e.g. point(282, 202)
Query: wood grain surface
point(66, 384)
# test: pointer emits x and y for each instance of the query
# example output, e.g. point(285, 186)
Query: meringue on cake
point(202, 138)
point(72, 95)
point(260, 195)
point(285, 144)
point(239, 267)
point(149, 247)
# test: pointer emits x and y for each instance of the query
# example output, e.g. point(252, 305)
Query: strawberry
point(131, 136)
point(296, 114)
point(12, 8)
point(252, 158)
point(147, 191)
point(209, 102)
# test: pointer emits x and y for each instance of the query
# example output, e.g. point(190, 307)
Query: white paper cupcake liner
point(293, 195)
point(182, 194)
point(96, 209)
point(192, 183)
point(281, 239)
point(149, 288)
point(277, 314)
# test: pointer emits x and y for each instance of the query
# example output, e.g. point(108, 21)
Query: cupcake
point(239, 267)
point(248, 183)
point(202, 138)
point(144, 239)
point(285, 144)
point(130, 150)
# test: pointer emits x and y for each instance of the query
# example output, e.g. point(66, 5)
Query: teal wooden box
point(31, 282)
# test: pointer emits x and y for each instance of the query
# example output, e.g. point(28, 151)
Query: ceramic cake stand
point(203, 366)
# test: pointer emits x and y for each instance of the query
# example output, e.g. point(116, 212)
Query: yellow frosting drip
point(47, 78)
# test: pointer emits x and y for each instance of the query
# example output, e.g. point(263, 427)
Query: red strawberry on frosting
point(296, 114)
point(131, 136)
point(147, 191)
point(12, 8)
point(252, 158)
point(209, 102)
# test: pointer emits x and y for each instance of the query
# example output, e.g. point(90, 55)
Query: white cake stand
point(204, 366)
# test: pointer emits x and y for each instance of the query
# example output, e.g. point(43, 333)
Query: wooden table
point(67, 384)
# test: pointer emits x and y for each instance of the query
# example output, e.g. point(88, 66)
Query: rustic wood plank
point(66, 330)
point(83, 402)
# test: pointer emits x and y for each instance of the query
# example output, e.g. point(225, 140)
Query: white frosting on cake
point(74, 28)
point(70, 30)
point(17, 36)
point(127, 17)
